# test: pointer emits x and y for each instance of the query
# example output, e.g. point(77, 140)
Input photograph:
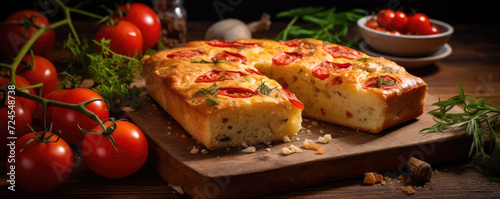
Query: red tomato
point(66, 120)
point(252, 71)
point(230, 44)
point(419, 24)
point(42, 166)
point(230, 56)
point(43, 71)
point(372, 23)
point(382, 82)
point(21, 114)
point(295, 43)
point(216, 76)
point(385, 16)
point(101, 157)
point(126, 38)
point(399, 21)
point(434, 30)
point(54, 96)
point(284, 58)
point(293, 99)
point(145, 19)
point(325, 68)
point(236, 92)
point(185, 53)
point(15, 32)
point(21, 83)
point(342, 52)
point(335, 81)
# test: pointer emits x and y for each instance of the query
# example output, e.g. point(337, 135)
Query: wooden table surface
point(475, 61)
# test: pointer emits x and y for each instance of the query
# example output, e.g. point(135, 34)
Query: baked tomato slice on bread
point(217, 76)
point(295, 43)
point(325, 68)
point(185, 53)
point(293, 99)
point(381, 82)
point(230, 44)
point(236, 92)
point(230, 56)
point(342, 52)
point(284, 58)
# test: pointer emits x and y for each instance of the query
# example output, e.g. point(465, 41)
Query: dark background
point(451, 11)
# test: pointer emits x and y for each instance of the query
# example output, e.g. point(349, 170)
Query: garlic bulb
point(233, 29)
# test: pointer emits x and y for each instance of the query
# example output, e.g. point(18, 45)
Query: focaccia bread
point(221, 103)
point(335, 84)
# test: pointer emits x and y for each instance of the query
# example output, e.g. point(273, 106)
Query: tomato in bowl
point(405, 45)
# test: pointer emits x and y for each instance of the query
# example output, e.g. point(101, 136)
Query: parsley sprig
point(210, 91)
point(326, 25)
point(481, 121)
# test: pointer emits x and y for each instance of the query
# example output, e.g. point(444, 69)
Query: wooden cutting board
point(230, 173)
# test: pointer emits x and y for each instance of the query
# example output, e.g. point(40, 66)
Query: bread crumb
point(286, 151)
point(295, 149)
point(169, 127)
point(250, 149)
point(194, 150)
point(244, 144)
point(305, 120)
point(373, 178)
point(169, 133)
point(314, 123)
point(297, 139)
point(400, 177)
point(321, 131)
point(408, 190)
point(268, 149)
point(324, 139)
point(286, 139)
point(183, 136)
point(204, 151)
point(310, 145)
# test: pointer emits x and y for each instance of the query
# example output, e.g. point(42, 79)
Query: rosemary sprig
point(210, 91)
point(481, 121)
point(202, 61)
point(264, 88)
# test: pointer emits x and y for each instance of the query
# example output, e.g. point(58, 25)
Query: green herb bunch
point(326, 25)
point(481, 121)
point(112, 73)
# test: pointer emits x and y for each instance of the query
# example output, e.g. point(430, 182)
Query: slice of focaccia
point(220, 98)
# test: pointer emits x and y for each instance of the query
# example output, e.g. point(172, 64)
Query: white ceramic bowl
point(405, 45)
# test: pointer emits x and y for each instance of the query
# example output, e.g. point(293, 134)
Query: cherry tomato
point(54, 96)
point(185, 53)
point(16, 31)
point(216, 76)
point(292, 98)
point(21, 83)
point(230, 44)
point(230, 56)
point(382, 82)
point(236, 92)
point(372, 23)
point(295, 43)
point(335, 81)
point(399, 21)
point(385, 16)
point(19, 115)
point(434, 30)
point(126, 38)
point(42, 166)
point(145, 19)
point(252, 71)
point(284, 58)
point(66, 120)
point(342, 52)
point(101, 157)
point(43, 71)
point(325, 68)
point(419, 24)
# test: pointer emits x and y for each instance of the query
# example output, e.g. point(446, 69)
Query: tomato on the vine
point(399, 21)
point(20, 26)
point(372, 23)
point(385, 16)
point(126, 38)
point(145, 19)
point(19, 115)
point(21, 82)
point(102, 158)
point(68, 121)
point(42, 71)
point(54, 96)
point(42, 166)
